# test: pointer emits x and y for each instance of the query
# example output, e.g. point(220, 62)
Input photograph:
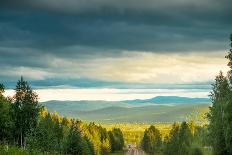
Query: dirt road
point(134, 151)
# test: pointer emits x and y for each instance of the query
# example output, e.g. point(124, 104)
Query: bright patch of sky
point(112, 94)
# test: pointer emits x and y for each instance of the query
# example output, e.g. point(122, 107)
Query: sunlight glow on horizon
point(111, 94)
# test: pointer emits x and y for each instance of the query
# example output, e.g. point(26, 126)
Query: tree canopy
point(27, 124)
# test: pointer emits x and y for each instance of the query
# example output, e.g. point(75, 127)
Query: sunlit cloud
point(130, 67)
point(164, 68)
point(30, 73)
point(137, 67)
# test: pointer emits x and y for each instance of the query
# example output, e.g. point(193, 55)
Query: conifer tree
point(73, 144)
point(116, 139)
point(152, 142)
point(25, 111)
point(185, 138)
point(44, 137)
point(5, 119)
point(179, 141)
point(172, 142)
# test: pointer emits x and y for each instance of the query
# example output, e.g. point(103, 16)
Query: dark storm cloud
point(122, 6)
point(13, 57)
point(33, 32)
point(124, 25)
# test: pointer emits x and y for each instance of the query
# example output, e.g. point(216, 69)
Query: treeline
point(25, 124)
point(184, 138)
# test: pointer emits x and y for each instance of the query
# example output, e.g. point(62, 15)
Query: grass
point(13, 150)
point(5, 150)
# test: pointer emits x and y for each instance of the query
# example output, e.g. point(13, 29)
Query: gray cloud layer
point(33, 32)
point(118, 24)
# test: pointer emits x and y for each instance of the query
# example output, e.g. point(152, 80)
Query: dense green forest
point(25, 124)
point(183, 139)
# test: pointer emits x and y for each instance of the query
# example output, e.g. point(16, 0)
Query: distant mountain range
point(145, 114)
point(82, 105)
point(157, 109)
point(168, 100)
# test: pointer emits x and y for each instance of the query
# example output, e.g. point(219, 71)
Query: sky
point(112, 45)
